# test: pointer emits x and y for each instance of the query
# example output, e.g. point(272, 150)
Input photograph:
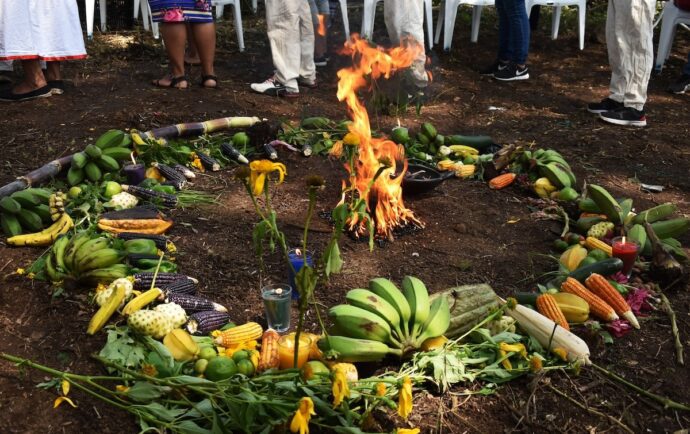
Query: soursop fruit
point(174, 312)
point(150, 322)
point(600, 230)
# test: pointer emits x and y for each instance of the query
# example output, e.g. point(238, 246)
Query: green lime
point(560, 245)
point(245, 367)
point(207, 353)
point(240, 355)
point(598, 255)
point(74, 192)
point(313, 368)
point(573, 238)
point(220, 368)
point(240, 139)
point(568, 194)
point(111, 188)
point(587, 261)
point(200, 366)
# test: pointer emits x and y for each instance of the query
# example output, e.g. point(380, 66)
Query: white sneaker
point(274, 88)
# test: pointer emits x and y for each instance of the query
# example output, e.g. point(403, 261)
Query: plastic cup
point(277, 300)
point(286, 351)
point(626, 250)
point(297, 259)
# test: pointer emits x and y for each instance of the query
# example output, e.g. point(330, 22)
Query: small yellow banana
point(464, 151)
point(543, 187)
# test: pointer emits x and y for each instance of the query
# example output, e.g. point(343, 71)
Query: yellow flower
point(20, 271)
point(196, 163)
point(30, 276)
point(405, 398)
point(300, 421)
point(562, 353)
point(380, 389)
point(260, 170)
point(148, 369)
point(64, 388)
point(407, 431)
point(341, 389)
point(535, 364)
point(170, 247)
point(216, 333)
point(351, 139)
point(121, 388)
point(504, 349)
point(337, 149)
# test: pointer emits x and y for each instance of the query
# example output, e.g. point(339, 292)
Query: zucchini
point(526, 298)
point(480, 143)
point(606, 267)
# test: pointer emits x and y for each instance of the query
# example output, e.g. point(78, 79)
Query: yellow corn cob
point(597, 306)
point(593, 243)
point(602, 288)
point(269, 351)
point(141, 300)
point(107, 310)
point(465, 171)
point(235, 335)
point(447, 165)
point(547, 306)
point(463, 151)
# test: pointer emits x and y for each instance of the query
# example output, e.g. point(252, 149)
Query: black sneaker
point(681, 85)
point(625, 116)
point(512, 72)
point(321, 61)
point(494, 68)
point(606, 105)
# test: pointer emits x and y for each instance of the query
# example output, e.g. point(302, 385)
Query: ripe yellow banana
point(45, 237)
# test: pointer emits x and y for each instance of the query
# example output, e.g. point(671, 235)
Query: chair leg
point(476, 20)
point(555, 21)
point(439, 22)
point(145, 15)
point(429, 24)
point(103, 10)
point(668, 24)
point(219, 11)
point(368, 18)
point(255, 5)
point(582, 14)
point(90, 10)
point(136, 9)
point(238, 25)
point(451, 12)
point(346, 20)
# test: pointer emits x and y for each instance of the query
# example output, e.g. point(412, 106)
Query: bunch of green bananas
point(102, 156)
point(552, 165)
point(383, 320)
point(87, 258)
point(26, 211)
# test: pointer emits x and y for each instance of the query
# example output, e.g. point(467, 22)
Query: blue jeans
point(686, 68)
point(513, 31)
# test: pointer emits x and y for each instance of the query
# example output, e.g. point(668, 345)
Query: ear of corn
point(593, 243)
point(502, 181)
point(547, 306)
point(141, 301)
point(239, 334)
point(107, 309)
point(597, 306)
point(604, 290)
point(269, 351)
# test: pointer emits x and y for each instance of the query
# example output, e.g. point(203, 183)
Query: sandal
point(174, 81)
point(205, 78)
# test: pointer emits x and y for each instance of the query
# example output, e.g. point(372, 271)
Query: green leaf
point(333, 262)
point(143, 391)
point(161, 412)
point(121, 349)
point(189, 427)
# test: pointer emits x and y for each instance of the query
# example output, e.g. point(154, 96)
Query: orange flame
point(373, 62)
point(321, 30)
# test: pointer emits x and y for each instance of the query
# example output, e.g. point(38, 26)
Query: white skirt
point(40, 29)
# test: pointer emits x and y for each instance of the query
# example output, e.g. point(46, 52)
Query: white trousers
point(406, 18)
point(291, 35)
point(629, 32)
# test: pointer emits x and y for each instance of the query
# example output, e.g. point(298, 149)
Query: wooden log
point(52, 169)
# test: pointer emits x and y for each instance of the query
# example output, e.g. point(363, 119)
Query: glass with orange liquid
point(286, 350)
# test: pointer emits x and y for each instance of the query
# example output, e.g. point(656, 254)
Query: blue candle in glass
point(296, 258)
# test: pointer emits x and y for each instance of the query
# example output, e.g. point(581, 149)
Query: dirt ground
point(472, 234)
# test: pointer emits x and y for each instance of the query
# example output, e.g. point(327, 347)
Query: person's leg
point(205, 37)
point(321, 30)
point(53, 71)
point(615, 47)
point(505, 52)
point(33, 77)
point(405, 21)
point(283, 24)
point(519, 31)
point(534, 17)
point(307, 69)
point(174, 37)
point(191, 56)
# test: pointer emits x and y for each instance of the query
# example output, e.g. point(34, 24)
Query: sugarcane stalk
point(53, 168)
point(674, 328)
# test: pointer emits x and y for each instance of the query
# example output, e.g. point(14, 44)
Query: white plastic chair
point(556, 16)
point(370, 12)
point(448, 14)
point(672, 16)
point(219, 4)
point(90, 11)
